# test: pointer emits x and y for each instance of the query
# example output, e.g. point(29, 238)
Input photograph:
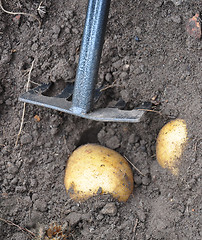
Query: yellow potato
point(170, 144)
point(93, 169)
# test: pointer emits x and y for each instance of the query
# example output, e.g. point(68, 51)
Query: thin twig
point(134, 166)
point(21, 228)
point(20, 13)
point(110, 86)
point(134, 229)
point(24, 107)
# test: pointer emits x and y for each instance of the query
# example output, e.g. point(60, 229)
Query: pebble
point(109, 209)
point(131, 139)
point(146, 180)
point(14, 181)
point(126, 67)
point(108, 77)
point(34, 47)
point(137, 180)
point(73, 218)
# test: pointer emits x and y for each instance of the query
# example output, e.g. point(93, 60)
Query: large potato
point(170, 144)
point(94, 169)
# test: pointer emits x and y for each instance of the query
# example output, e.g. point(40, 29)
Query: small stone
point(126, 67)
point(26, 139)
point(109, 209)
point(73, 218)
point(108, 77)
point(34, 47)
point(146, 180)
point(14, 181)
point(137, 180)
point(131, 138)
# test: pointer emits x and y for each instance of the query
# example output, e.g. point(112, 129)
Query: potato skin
point(93, 169)
point(170, 144)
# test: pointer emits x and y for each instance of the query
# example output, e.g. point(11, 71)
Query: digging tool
point(83, 93)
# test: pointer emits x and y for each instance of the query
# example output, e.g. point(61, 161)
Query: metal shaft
point(90, 54)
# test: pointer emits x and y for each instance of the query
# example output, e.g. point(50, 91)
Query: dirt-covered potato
point(93, 169)
point(170, 144)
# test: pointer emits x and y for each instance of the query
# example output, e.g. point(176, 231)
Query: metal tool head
point(62, 102)
point(83, 93)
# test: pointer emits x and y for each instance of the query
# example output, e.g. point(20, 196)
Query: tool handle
point(90, 54)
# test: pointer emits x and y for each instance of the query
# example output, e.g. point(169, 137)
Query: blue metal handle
point(90, 54)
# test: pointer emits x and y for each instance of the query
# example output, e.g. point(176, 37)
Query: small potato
point(93, 169)
point(170, 144)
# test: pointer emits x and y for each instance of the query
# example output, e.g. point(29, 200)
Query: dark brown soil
point(165, 67)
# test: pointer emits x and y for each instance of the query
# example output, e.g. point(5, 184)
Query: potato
point(93, 169)
point(170, 144)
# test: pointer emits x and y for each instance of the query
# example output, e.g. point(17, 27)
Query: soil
point(151, 58)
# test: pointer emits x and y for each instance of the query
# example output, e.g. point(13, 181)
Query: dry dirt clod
point(109, 209)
